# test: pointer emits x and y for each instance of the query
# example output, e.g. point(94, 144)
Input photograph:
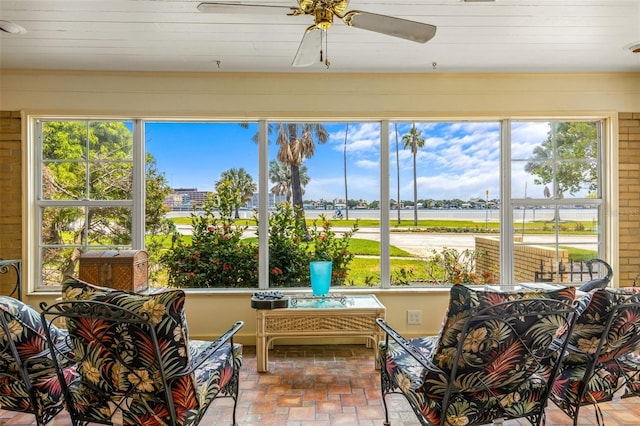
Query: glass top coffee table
point(341, 316)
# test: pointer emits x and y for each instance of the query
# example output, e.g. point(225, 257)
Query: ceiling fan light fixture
point(635, 47)
point(11, 27)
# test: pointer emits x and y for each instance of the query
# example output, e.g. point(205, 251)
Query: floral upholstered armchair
point(28, 380)
point(487, 363)
point(135, 364)
point(602, 351)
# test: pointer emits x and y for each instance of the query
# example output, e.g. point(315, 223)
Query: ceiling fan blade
point(239, 7)
point(389, 25)
point(309, 50)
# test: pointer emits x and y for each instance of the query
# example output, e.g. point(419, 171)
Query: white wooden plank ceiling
point(172, 35)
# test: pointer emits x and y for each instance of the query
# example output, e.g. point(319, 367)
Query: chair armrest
point(214, 346)
point(407, 346)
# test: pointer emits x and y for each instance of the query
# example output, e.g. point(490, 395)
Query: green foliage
point(326, 245)
point(217, 256)
point(241, 183)
point(87, 161)
point(402, 276)
point(288, 258)
point(158, 226)
point(567, 158)
point(450, 266)
point(291, 248)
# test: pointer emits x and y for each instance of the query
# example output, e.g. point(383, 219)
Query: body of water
point(476, 215)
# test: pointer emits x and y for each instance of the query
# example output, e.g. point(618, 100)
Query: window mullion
point(263, 203)
point(507, 273)
point(139, 190)
point(385, 262)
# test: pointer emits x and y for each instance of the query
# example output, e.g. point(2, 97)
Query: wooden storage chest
point(119, 269)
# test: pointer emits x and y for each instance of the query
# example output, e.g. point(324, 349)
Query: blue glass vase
point(320, 277)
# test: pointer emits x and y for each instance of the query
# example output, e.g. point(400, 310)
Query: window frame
point(607, 178)
point(507, 207)
point(135, 204)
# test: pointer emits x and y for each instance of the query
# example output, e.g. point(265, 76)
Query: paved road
point(422, 243)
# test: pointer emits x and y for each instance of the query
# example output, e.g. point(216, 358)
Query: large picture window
point(556, 198)
point(392, 204)
point(85, 194)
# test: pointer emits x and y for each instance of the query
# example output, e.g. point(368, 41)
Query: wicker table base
point(356, 317)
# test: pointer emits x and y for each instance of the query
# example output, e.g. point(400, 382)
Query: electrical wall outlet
point(414, 316)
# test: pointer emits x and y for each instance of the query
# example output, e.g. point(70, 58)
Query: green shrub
point(217, 256)
point(326, 245)
point(450, 266)
point(288, 257)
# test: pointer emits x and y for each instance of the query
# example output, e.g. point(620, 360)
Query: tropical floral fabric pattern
point(125, 385)
point(496, 376)
point(630, 363)
point(27, 334)
point(615, 358)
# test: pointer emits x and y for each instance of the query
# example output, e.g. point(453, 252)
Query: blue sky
point(459, 160)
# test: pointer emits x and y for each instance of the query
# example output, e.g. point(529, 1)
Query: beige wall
point(320, 96)
point(324, 95)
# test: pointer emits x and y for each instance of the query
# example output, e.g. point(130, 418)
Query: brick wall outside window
point(10, 193)
point(629, 197)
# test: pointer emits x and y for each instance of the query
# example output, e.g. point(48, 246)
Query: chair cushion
point(112, 377)
point(464, 301)
point(509, 397)
point(217, 371)
point(594, 310)
point(28, 336)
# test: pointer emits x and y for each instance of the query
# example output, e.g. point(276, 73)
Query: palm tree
point(297, 143)
point(241, 182)
point(280, 176)
point(414, 140)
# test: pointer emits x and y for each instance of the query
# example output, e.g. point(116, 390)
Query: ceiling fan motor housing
point(309, 6)
point(323, 18)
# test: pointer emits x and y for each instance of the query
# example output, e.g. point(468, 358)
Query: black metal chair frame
point(16, 265)
point(601, 282)
point(43, 416)
point(616, 313)
point(118, 315)
point(500, 312)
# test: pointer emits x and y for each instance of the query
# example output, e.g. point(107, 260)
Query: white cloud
point(368, 164)
point(459, 160)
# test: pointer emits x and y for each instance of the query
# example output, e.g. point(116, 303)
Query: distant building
point(273, 200)
point(186, 199)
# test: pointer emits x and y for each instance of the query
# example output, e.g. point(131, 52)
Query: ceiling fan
point(323, 12)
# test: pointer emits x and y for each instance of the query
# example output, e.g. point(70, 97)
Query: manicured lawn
point(365, 271)
point(372, 248)
point(580, 255)
point(437, 225)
